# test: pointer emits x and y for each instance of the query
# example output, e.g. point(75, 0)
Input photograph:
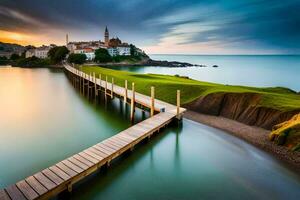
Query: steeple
point(67, 39)
point(106, 37)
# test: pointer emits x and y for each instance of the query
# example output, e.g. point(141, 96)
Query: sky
point(159, 26)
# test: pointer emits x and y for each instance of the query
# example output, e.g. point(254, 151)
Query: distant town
point(110, 51)
point(114, 47)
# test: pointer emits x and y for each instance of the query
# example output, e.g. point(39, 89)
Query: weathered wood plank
point(120, 139)
point(52, 176)
point(28, 192)
point(124, 138)
point(4, 195)
point(66, 169)
point(110, 146)
point(93, 151)
point(78, 163)
point(94, 154)
point(116, 143)
point(104, 149)
point(44, 181)
point(60, 173)
point(83, 160)
point(72, 166)
point(14, 193)
point(37, 186)
point(88, 157)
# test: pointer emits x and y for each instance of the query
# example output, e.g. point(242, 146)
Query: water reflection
point(43, 120)
point(192, 161)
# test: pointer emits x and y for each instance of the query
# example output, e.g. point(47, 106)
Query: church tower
point(106, 37)
point(67, 39)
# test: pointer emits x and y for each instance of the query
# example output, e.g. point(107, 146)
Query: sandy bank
point(254, 135)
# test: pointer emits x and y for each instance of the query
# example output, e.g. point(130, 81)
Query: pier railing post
point(105, 89)
point(132, 108)
point(126, 92)
point(152, 101)
point(80, 82)
point(83, 84)
point(112, 88)
point(95, 84)
point(100, 82)
point(178, 104)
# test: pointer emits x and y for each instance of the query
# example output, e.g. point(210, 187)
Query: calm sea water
point(44, 120)
point(261, 71)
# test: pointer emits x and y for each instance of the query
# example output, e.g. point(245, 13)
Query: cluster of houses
point(114, 47)
point(40, 52)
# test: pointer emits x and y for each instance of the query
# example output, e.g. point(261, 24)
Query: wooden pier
point(63, 175)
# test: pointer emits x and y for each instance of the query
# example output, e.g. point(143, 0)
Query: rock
point(165, 63)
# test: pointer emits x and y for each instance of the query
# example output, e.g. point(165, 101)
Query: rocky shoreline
point(164, 63)
point(153, 63)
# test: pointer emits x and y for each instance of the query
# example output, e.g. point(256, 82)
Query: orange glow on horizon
point(23, 38)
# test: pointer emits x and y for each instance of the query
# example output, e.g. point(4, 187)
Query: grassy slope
point(166, 86)
point(288, 133)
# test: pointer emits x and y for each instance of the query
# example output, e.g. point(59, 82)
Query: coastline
point(251, 134)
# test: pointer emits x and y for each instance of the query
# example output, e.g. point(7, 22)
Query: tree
point(102, 55)
point(57, 54)
point(132, 50)
point(14, 57)
point(77, 58)
point(3, 60)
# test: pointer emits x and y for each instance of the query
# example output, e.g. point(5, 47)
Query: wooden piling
point(100, 82)
point(105, 89)
point(95, 84)
point(83, 84)
point(178, 104)
point(126, 92)
point(132, 108)
point(152, 101)
point(112, 88)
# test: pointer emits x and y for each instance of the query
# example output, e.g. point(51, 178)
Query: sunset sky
point(159, 26)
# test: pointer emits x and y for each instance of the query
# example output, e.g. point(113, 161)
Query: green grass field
point(165, 88)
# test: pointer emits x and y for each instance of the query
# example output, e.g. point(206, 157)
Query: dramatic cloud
point(161, 26)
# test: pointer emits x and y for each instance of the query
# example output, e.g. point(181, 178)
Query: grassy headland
point(165, 85)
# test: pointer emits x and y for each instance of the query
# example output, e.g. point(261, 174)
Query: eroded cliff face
point(243, 107)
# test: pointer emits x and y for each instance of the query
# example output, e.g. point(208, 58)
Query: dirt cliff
point(242, 107)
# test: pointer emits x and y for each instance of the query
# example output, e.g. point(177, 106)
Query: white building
point(89, 52)
point(90, 56)
point(40, 52)
point(29, 53)
point(119, 51)
point(112, 51)
point(123, 50)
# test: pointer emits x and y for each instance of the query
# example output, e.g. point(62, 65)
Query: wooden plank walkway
point(61, 176)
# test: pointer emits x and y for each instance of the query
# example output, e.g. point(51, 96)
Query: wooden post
point(132, 108)
point(88, 86)
point(126, 92)
point(95, 84)
point(178, 103)
point(83, 84)
point(100, 82)
point(70, 187)
point(105, 89)
point(112, 88)
point(152, 101)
